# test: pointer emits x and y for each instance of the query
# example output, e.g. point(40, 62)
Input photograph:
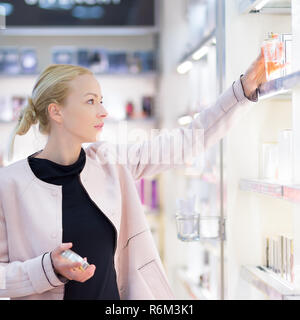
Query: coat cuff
point(42, 280)
point(254, 95)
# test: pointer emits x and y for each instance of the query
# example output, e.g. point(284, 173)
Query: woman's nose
point(102, 113)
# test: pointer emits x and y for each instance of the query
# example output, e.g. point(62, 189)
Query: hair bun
point(31, 109)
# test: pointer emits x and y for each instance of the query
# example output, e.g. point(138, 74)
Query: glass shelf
point(80, 31)
point(262, 186)
point(271, 7)
point(280, 86)
point(269, 283)
point(285, 191)
point(121, 75)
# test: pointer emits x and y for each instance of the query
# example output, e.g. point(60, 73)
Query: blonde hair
point(52, 86)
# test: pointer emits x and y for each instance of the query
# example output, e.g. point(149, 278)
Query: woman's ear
point(54, 111)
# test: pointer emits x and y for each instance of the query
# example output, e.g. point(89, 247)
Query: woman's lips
point(99, 126)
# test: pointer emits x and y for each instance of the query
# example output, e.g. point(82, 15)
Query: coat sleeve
point(183, 145)
point(22, 278)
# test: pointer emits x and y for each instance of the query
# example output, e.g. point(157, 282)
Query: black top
point(84, 224)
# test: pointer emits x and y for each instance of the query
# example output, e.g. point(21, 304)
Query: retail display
point(15, 60)
point(104, 61)
point(279, 255)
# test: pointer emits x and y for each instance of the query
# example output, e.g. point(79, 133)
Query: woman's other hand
point(255, 75)
point(68, 269)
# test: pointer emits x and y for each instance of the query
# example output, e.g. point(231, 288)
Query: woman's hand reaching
point(255, 75)
point(68, 269)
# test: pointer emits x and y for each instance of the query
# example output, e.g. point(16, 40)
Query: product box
point(145, 60)
point(94, 59)
point(63, 55)
point(117, 62)
point(11, 61)
point(287, 41)
point(28, 61)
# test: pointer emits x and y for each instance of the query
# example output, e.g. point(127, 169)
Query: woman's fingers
point(62, 248)
point(82, 276)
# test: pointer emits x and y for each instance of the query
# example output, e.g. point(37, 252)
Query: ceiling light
point(185, 120)
point(201, 53)
point(261, 4)
point(184, 67)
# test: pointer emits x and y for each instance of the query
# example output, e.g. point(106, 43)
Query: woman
point(65, 196)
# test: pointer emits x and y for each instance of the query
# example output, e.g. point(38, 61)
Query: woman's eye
point(91, 100)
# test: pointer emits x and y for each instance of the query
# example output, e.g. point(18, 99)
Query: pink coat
point(31, 212)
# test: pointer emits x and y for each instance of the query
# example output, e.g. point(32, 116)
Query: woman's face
point(83, 109)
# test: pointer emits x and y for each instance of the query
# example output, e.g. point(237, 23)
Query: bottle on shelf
point(273, 48)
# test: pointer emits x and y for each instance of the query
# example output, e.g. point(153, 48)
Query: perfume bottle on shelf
point(273, 48)
point(285, 148)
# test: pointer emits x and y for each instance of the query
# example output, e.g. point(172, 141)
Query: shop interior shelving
point(259, 212)
point(269, 283)
point(284, 191)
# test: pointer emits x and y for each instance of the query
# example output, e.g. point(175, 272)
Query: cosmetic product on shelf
point(273, 48)
point(63, 55)
point(291, 259)
point(267, 252)
point(17, 104)
point(117, 62)
point(98, 61)
point(287, 41)
point(83, 58)
point(147, 190)
point(147, 106)
point(285, 148)
point(28, 61)
point(280, 256)
point(129, 110)
point(270, 160)
point(11, 61)
point(154, 195)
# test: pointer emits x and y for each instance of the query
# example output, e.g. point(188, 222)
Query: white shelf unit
point(259, 212)
point(271, 285)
